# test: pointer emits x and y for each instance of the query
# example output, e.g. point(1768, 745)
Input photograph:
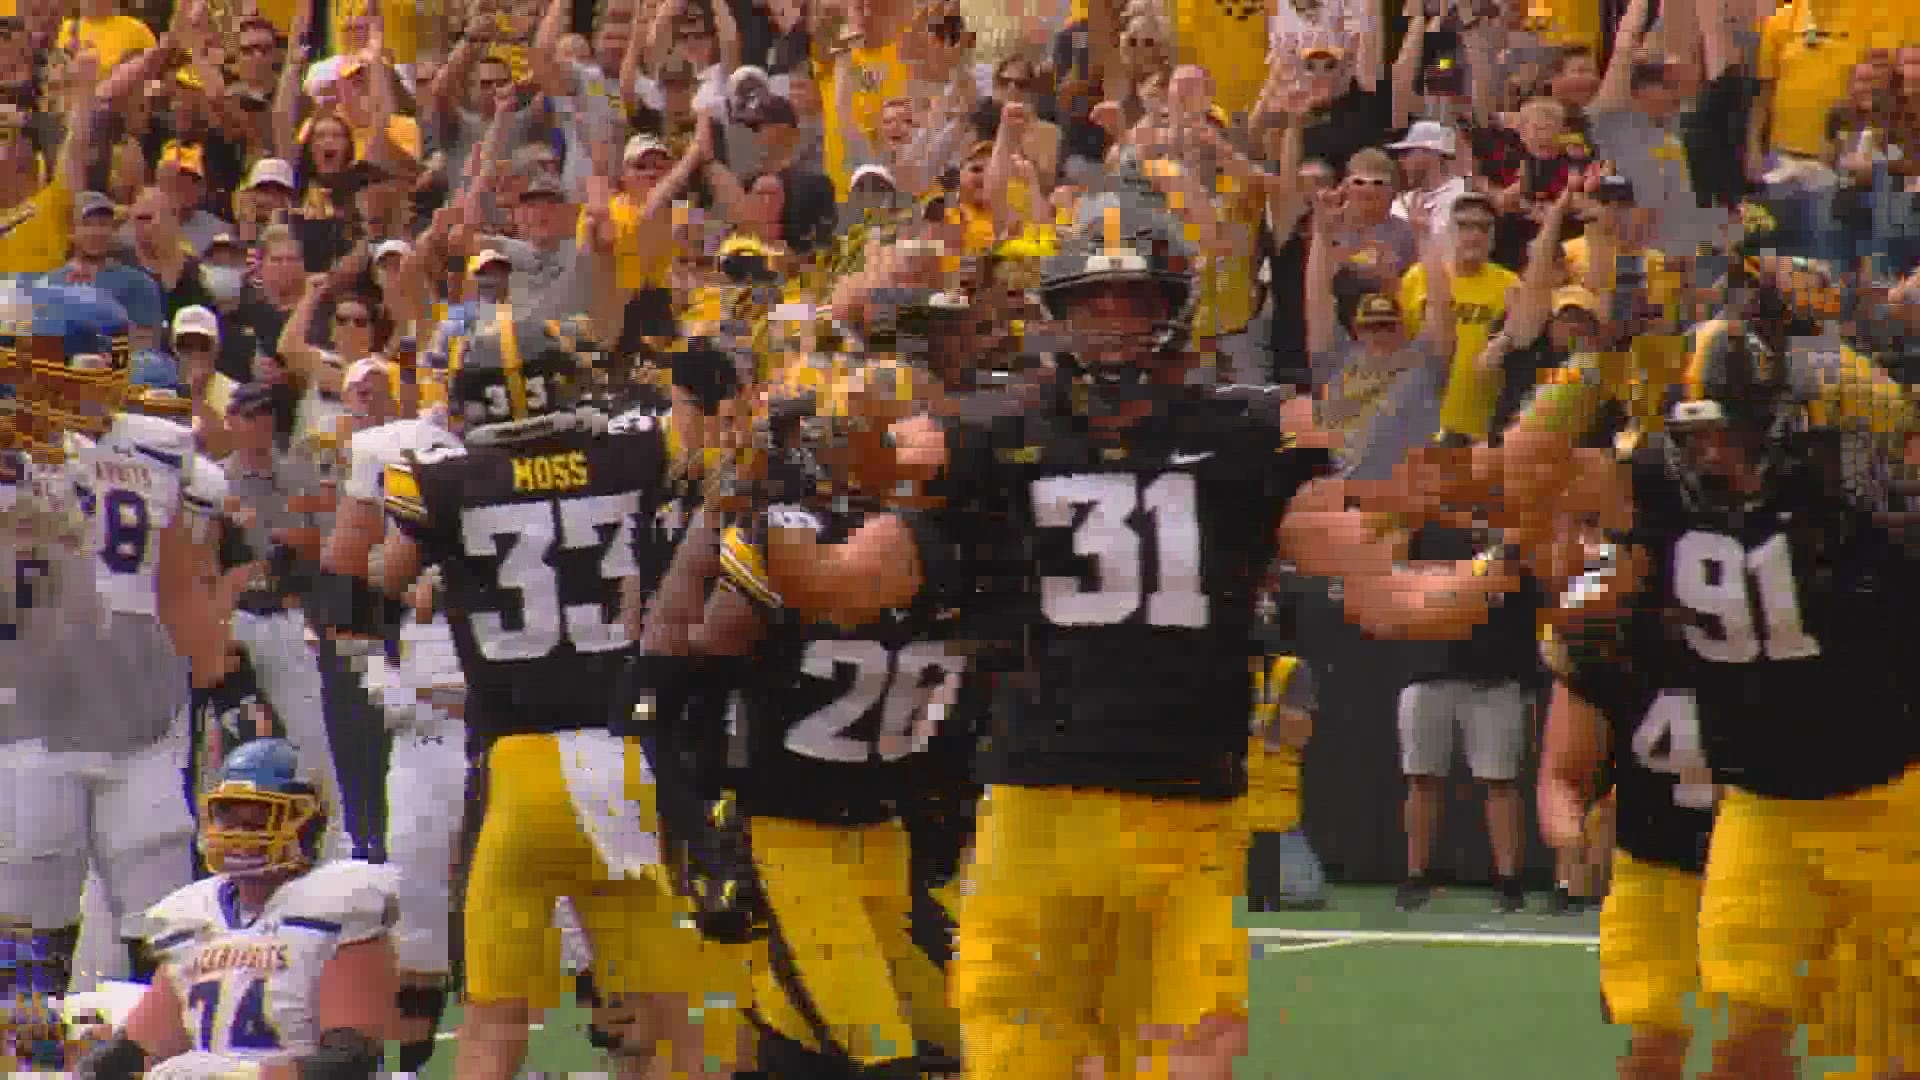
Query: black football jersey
point(1653, 736)
point(534, 540)
point(833, 724)
point(1791, 621)
point(1122, 581)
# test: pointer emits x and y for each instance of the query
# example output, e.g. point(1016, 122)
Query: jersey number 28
point(525, 533)
point(896, 681)
point(1113, 518)
point(1711, 575)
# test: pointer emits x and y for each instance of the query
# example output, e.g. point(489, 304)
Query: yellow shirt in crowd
point(33, 235)
point(1229, 39)
point(114, 37)
point(881, 76)
point(635, 267)
point(1808, 52)
point(1479, 301)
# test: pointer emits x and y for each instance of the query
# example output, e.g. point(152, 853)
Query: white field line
point(1311, 946)
point(1418, 937)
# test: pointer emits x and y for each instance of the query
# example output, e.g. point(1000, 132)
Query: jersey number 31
point(1113, 519)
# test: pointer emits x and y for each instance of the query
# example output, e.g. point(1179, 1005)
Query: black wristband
point(352, 605)
point(120, 1059)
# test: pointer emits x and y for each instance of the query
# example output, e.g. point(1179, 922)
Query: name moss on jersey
point(832, 719)
point(247, 986)
point(534, 541)
point(372, 451)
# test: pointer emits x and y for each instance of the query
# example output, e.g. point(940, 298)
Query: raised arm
point(287, 96)
point(1323, 319)
point(1616, 85)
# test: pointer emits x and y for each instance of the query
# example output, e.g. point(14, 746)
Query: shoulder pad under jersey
point(402, 498)
point(357, 899)
point(180, 918)
point(370, 452)
point(153, 436)
point(743, 568)
point(205, 490)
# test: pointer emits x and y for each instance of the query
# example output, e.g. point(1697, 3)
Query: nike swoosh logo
point(1188, 459)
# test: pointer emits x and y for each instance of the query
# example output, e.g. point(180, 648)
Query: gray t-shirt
point(1387, 407)
point(1652, 158)
point(266, 494)
point(549, 283)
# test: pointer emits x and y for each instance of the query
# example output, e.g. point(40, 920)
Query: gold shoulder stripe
point(742, 566)
point(403, 493)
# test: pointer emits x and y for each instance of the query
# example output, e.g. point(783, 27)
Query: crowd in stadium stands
point(1421, 214)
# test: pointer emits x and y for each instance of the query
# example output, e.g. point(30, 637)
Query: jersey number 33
point(525, 537)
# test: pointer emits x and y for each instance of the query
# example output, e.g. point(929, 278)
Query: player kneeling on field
point(275, 967)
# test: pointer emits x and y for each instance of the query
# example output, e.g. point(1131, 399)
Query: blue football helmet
point(64, 364)
point(260, 816)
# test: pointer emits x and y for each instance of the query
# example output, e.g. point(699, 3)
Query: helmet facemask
point(248, 832)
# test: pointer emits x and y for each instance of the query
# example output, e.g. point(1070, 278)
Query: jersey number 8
point(1710, 577)
point(524, 534)
point(1118, 516)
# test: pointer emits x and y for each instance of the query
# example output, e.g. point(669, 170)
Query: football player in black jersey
point(1114, 539)
point(536, 521)
point(832, 722)
point(1612, 713)
point(1791, 602)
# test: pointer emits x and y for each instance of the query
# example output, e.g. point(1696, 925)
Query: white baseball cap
point(391, 247)
point(195, 320)
point(270, 171)
point(1428, 135)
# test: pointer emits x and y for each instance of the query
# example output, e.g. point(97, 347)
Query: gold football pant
point(1813, 905)
point(841, 964)
point(1092, 915)
point(1649, 947)
point(532, 850)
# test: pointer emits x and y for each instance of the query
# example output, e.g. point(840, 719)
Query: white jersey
point(129, 483)
point(374, 449)
point(247, 987)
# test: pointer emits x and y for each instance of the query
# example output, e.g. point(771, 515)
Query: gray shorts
point(111, 693)
point(1493, 719)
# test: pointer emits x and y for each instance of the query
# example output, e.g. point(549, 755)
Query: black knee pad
point(605, 1040)
point(421, 1002)
point(142, 964)
point(415, 1055)
point(586, 992)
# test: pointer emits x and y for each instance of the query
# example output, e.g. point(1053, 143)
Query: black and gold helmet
point(512, 379)
point(1122, 237)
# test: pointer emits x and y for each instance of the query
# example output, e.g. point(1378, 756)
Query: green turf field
point(1363, 992)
